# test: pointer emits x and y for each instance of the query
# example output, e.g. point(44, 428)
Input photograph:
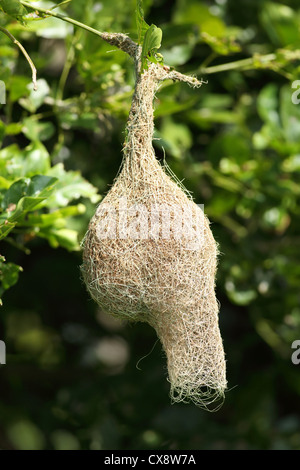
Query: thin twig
point(60, 4)
point(119, 40)
point(61, 17)
point(190, 80)
point(19, 45)
point(238, 64)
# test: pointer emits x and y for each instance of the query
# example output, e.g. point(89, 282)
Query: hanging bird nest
point(149, 254)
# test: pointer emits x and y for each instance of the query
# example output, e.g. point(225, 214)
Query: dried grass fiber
point(166, 281)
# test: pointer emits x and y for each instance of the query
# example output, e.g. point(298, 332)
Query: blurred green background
point(74, 377)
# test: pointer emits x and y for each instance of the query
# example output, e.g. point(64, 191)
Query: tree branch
point(179, 77)
point(19, 45)
point(119, 40)
point(239, 64)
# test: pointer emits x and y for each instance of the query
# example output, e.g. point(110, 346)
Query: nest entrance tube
point(149, 254)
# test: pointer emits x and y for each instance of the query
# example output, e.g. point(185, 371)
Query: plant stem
point(119, 40)
point(66, 70)
point(208, 60)
point(238, 64)
point(60, 4)
point(60, 93)
point(19, 45)
point(61, 17)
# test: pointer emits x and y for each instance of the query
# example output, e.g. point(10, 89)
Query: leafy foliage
point(34, 192)
point(142, 26)
point(151, 43)
point(14, 9)
point(150, 37)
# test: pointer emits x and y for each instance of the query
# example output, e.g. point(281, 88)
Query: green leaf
point(11, 160)
point(57, 219)
point(267, 104)
point(28, 203)
point(292, 163)
point(281, 23)
point(36, 130)
point(151, 43)
point(23, 433)
point(71, 185)
point(14, 8)
point(36, 97)
point(24, 205)
point(4, 183)
point(142, 26)
point(5, 227)
point(65, 238)
point(222, 46)
point(26, 193)
point(242, 297)
point(9, 274)
point(41, 186)
point(170, 106)
point(36, 159)
point(179, 34)
point(18, 87)
point(178, 54)
point(13, 128)
point(14, 162)
point(16, 191)
point(152, 40)
point(176, 138)
point(64, 440)
point(195, 13)
point(50, 28)
point(69, 119)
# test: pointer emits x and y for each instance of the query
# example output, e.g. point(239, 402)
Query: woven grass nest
point(149, 254)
